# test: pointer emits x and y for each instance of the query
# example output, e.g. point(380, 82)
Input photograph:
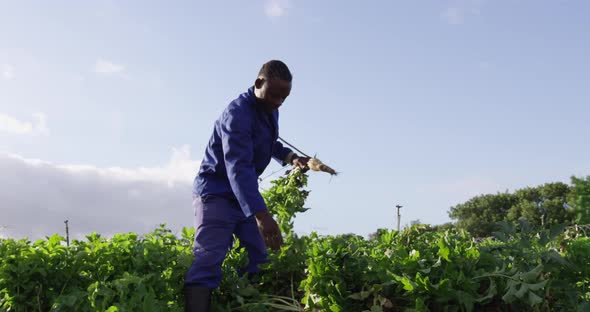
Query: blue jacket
point(243, 142)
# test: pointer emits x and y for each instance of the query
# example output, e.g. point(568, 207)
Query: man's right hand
point(300, 162)
point(269, 229)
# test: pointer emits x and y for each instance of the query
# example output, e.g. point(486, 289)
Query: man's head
point(273, 85)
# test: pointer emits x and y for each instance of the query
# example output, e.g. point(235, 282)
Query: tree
point(540, 206)
point(443, 227)
point(480, 214)
point(580, 197)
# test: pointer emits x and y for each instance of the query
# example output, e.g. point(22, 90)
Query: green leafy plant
point(521, 267)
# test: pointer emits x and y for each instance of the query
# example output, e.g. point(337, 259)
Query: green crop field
point(519, 268)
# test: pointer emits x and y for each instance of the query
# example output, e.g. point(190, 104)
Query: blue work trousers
point(217, 218)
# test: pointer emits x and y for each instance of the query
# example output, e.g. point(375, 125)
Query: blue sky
point(421, 103)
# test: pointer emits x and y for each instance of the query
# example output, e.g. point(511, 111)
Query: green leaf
point(376, 308)
point(408, 284)
point(423, 282)
point(510, 293)
point(532, 275)
point(537, 286)
point(524, 289)
point(437, 263)
point(361, 295)
point(466, 299)
point(492, 291)
point(556, 230)
point(420, 306)
point(443, 250)
point(533, 299)
point(248, 291)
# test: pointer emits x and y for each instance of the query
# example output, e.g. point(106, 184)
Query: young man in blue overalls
point(225, 193)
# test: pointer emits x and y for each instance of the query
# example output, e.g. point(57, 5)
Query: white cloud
point(276, 8)
point(460, 10)
point(38, 196)
point(6, 71)
point(12, 125)
point(40, 124)
point(179, 169)
point(107, 67)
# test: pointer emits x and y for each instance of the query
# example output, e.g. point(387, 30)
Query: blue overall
point(225, 192)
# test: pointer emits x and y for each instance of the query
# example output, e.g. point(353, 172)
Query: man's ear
point(259, 82)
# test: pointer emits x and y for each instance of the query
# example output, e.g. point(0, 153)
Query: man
point(225, 194)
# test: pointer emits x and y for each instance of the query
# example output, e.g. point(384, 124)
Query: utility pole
point(542, 211)
point(398, 216)
point(67, 233)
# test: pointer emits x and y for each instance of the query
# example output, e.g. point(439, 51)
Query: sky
point(106, 106)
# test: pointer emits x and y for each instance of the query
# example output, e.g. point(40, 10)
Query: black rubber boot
point(197, 299)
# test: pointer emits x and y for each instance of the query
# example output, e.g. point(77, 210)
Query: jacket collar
point(272, 118)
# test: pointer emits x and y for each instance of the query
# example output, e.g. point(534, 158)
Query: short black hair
point(275, 69)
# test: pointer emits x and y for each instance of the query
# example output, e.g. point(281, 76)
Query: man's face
point(272, 93)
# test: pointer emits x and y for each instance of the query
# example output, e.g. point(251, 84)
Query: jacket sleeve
point(281, 154)
point(238, 154)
